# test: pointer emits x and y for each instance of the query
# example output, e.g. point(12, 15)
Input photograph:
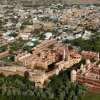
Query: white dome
point(99, 66)
point(88, 61)
point(73, 72)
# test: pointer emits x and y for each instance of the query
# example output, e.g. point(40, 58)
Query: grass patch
point(9, 58)
point(91, 96)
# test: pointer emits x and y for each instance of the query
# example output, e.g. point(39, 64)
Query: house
point(25, 36)
point(48, 35)
point(31, 44)
point(86, 35)
point(8, 38)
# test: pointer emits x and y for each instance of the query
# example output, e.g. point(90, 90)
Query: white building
point(25, 36)
point(48, 35)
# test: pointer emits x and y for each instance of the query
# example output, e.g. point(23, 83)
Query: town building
point(88, 74)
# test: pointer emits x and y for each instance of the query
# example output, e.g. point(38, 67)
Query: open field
point(92, 96)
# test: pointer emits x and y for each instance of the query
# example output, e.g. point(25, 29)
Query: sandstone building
point(89, 73)
point(48, 53)
point(46, 59)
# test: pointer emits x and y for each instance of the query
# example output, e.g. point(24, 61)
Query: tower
point(73, 76)
point(82, 66)
point(83, 69)
point(67, 52)
point(64, 54)
point(98, 56)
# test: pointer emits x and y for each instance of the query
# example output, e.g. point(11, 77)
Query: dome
point(99, 66)
point(88, 61)
point(82, 66)
point(73, 72)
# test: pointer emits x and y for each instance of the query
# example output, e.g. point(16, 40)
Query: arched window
point(26, 74)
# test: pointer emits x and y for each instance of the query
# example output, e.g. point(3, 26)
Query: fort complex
point(46, 59)
point(50, 57)
point(47, 53)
